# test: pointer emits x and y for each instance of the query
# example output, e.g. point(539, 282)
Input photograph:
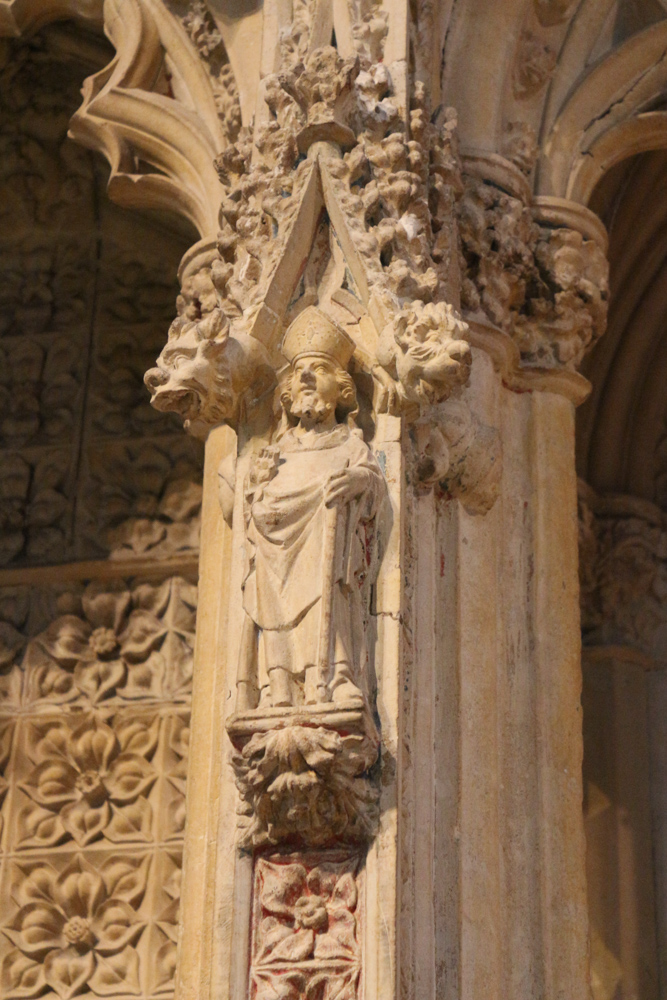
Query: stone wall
point(94, 715)
point(87, 466)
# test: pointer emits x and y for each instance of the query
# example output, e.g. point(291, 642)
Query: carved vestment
point(285, 525)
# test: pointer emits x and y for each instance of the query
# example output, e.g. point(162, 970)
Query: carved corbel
point(425, 352)
point(206, 373)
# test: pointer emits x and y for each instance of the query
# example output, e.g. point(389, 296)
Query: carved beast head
point(429, 355)
point(204, 372)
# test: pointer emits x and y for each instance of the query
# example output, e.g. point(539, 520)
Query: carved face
point(429, 361)
point(315, 387)
point(194, 379)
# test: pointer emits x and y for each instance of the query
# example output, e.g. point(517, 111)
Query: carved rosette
point(306, 926)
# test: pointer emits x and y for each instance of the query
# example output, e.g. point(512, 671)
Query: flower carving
point(165, 957)
point(306, 914)
point(112, 648)
point(75, 930)
point(91, 782)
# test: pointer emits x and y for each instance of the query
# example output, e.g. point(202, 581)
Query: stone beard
point(309, 500)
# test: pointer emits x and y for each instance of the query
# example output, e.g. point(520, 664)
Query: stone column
point(617, 787)
point(623, 546)
point(385, 784)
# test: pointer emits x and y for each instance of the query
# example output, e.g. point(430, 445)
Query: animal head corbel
point(205, 373)
point(423, 348)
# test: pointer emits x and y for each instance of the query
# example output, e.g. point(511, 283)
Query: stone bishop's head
point(317, 384)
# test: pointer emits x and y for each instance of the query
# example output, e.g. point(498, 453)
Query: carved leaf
point(79, 889)
point(99, 678)
point(137, 737)
point(21, 976)
point(296, 948)
point(270, 933)
point(116, 974)
point(37, 885)
point(115, 926)
point(132, 823)
point(345, 892)
point(280, 987)
point(126, 878)
point(37, 929)
point(40, 828)
point(85, 822)
point(340, 941)
point(282, 885)
point(66, 971)
point(93, 746)
point(106, 606)
point(165, 961)
point(143, 634)
point(341, 987)
point(129, 776)
point(52, 783)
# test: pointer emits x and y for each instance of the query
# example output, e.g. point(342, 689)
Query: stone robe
point(285, 520)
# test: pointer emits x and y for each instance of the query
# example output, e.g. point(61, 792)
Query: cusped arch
point(151, 112)
point(17, 17)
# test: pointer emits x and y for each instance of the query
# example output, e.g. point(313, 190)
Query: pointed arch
point(597, 113)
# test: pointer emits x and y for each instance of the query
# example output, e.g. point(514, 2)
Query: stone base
point(349, 718)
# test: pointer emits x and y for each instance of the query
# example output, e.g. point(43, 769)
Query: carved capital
point(539, 274)
point(623, 573)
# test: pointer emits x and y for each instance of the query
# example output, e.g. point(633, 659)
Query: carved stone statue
point(309, 500)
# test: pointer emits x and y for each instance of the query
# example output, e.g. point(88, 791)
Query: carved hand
point(346, 485)
point(385, 391)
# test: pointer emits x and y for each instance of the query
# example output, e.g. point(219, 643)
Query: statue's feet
point(280, 688)
point(347, 692)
